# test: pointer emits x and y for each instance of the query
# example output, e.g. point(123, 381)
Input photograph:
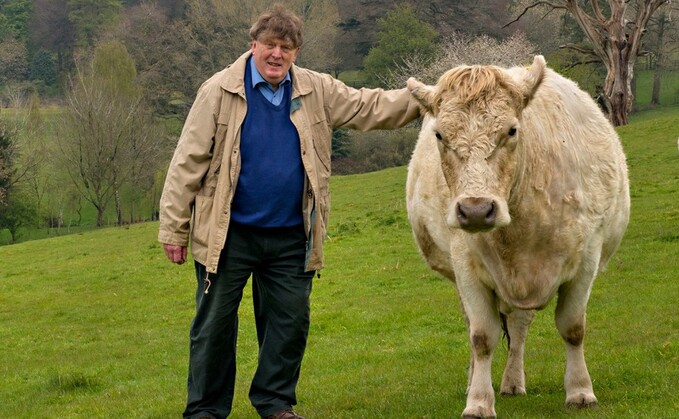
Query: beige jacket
point(203, 173)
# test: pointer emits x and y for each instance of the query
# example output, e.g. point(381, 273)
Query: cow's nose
point(476, 214)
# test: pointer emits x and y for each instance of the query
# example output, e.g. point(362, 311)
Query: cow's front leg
point(514, 378)
point(484, 334)
point(570, 320)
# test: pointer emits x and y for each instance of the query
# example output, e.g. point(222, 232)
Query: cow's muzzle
point(476, 214)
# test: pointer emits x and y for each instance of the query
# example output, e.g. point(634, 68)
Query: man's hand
point(176, 254)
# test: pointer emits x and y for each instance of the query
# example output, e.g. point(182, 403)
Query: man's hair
point(278, 23)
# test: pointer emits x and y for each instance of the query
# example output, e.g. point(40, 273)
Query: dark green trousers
point(275, 259)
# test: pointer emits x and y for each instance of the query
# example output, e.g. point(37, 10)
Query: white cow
point(517, 191)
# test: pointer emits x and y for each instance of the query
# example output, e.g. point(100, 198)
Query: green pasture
point(95, 324)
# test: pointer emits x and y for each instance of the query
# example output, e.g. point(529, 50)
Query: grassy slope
point(96, 324)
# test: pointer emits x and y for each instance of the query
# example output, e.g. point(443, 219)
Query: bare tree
point(663, 32)
point(108, 139)
point(615, 33)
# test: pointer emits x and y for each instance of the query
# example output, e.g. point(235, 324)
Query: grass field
point(96, 324)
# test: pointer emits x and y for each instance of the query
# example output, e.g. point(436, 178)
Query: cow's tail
point(505, 330)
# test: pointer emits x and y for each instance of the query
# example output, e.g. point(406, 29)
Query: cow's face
point(477, 112)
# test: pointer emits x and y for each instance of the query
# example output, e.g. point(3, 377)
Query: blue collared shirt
point(265, 88)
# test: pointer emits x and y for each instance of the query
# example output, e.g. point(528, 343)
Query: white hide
point(565, 199)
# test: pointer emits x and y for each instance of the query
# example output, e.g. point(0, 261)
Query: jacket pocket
point(322, 140)
point(210, 183)
point(202, 211)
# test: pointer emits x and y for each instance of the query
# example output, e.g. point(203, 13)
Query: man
point(249, 184)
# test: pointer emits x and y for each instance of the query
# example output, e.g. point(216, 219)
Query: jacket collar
point(234, 80)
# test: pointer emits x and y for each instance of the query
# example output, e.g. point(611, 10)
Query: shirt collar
point(257, 78)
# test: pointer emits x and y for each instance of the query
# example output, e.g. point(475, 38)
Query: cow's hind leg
point(514, 378)
point(570, 320)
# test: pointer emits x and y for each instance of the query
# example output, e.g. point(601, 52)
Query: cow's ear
point(423, 93)
point(533, 78)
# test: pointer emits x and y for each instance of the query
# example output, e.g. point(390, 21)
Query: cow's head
point(477, 113)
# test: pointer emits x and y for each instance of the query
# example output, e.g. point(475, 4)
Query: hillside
point(358, 22)
point(95, 325)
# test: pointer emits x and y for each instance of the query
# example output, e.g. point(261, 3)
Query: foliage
point(401, 37)
point(52, 30)
point(19, 211)
point(14, 16)
point(7, 157)
point(340, 142)
point(43, 68)
point(13, 61)
point(375, 150)
point(91, 332)
point(91, 17)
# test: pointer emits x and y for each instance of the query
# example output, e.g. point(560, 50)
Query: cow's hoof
point(581, 401)
point(478, 413)
point(512, 390)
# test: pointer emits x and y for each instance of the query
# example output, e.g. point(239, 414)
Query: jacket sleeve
point(367, 109)
point(188, 167)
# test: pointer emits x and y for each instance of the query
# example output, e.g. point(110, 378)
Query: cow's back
point(575, 159)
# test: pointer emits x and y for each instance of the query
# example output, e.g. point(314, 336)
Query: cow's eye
point(512, 131)
point(438, 136)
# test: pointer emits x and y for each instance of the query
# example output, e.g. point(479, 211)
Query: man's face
point(273, 58)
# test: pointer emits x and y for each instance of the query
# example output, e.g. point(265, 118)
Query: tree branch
point(586, 62)
point(536, 4)
point(580, 49)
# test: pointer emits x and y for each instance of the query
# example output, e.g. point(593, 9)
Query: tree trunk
point(100, 216)
point(618, 86)
point(658, 65)
point(119, 209)
point(616, 40)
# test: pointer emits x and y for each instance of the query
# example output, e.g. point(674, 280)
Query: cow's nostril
point(461, 216)
point(490, 216)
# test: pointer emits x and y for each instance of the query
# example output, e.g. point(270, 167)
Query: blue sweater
point(271, 181)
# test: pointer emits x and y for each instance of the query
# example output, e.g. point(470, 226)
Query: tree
point(15, 209)
point(91, 18)
point(7, 156)
point(340, 143)
point(14, 15)
point(401, 37)
point(663, 32)
point(13, 61)
point(108, 139)
point(43, 68)
point(52, 31)
point(615, 36)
